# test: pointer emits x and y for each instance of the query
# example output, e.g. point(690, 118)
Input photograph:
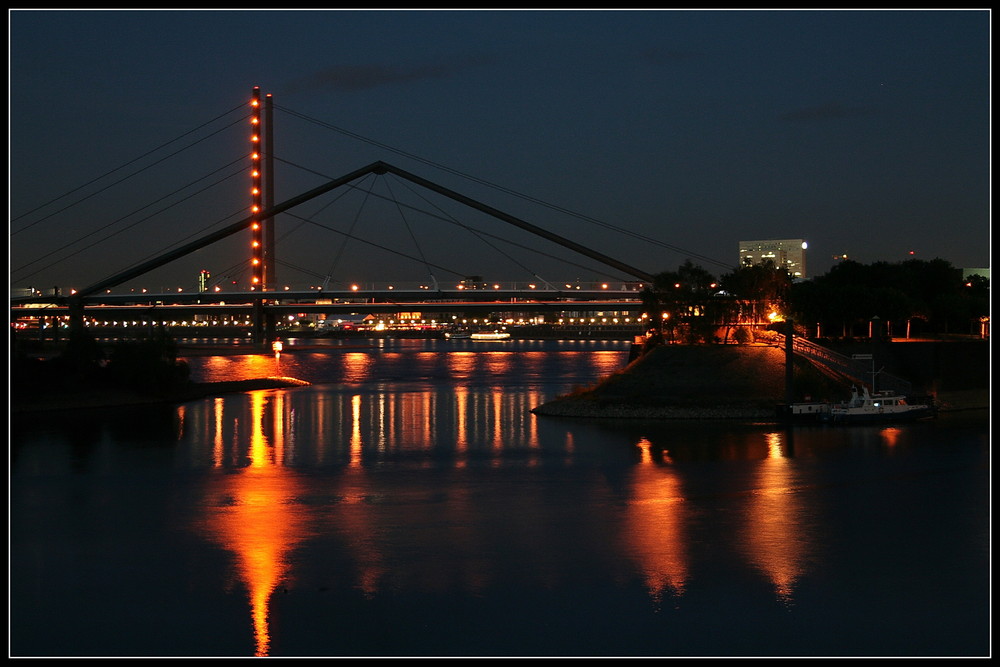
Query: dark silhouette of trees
point(691, 305)
point(677, 302)
point(910, 298)
point(147, 367)
point(915, 297)
point(758, 290)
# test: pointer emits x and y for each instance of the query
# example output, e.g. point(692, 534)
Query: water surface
point(409, 504)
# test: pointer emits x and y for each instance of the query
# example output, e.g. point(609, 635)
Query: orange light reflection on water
point(776, 538)
point(890, 435)
point(220, 368)
point(251, 512)
point(655, 526)
point(252, 507)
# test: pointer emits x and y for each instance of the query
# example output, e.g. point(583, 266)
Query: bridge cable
point(388, 186)
point(451, 220)
point(301, 269)
point(336, 258)
point(81, 238)
point(479, 235)
point(505, 189)
point(110, 185)
point(302, 221)
point(372, 243)
point(291, 231)
point(311, 220)
point(243, 266)
point(127, 227)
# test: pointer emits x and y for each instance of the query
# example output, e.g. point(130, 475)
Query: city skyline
point(669, 135)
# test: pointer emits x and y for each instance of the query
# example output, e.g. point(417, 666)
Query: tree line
point(910, 298)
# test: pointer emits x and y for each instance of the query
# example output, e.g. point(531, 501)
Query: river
point(407, 503)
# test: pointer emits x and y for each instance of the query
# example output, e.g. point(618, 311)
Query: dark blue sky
point(672, 134)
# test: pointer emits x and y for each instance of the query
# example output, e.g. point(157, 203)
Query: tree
point(932, 292)
point(677, 301)
point(759, 288)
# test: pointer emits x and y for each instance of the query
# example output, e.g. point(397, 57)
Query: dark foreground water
point(409, 504)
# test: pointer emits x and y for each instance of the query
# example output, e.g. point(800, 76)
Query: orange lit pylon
point(256, 205)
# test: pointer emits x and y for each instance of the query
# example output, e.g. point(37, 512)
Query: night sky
point(651, 136)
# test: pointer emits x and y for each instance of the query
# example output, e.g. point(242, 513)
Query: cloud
point(825, 112)
point(353, 78)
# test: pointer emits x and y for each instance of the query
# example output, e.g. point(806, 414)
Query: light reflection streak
point(221, 368)
point(181, 421)
point(252, 513)
point(655, 529)
point(356, 444)
point(890, 435)
point(357, 365)
point(218, 442)
point(496, 418)
point(380, 419)
point(251, 506)
point(461, 427)
point(357, 520)
point(775, 537)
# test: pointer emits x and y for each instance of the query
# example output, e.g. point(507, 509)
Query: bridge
point(264, 307)
point(245, 306)
point(264, 302)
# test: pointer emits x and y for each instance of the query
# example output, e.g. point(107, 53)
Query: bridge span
point(501, 303)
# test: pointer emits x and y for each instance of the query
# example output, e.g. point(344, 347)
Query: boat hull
point(837, 417)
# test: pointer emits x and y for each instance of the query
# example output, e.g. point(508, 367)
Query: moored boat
point(882, 406)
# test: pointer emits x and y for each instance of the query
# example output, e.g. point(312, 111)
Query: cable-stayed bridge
point(607, 284)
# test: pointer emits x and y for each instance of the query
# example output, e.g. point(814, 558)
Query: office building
point(787, 253)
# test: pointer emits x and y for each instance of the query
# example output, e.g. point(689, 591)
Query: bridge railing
point(858, 370)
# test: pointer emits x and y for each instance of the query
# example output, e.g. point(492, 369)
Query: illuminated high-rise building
point(785, 253)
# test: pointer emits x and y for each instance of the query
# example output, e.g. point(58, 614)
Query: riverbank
point(110, 398)
point(715, 382)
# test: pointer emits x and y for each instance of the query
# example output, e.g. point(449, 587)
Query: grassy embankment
point(698, 381)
